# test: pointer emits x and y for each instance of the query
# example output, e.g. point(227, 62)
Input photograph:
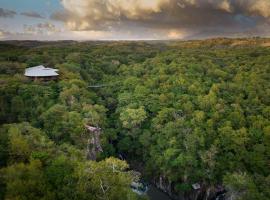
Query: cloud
point(176, 34)
point(3, 34)
point(40, 31)
point(32, 14)
point(31, 33)
point(160, 18)
point(7, 13)
point(46, 28)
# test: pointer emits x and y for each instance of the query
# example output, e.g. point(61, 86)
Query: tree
point(26, 181)
point(132, 118)
point(105, 179)
point(53, 120)
point(60, 177)
point(19, 147)
point(241, 187)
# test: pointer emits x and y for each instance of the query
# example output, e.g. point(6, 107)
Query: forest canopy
point(181, 112)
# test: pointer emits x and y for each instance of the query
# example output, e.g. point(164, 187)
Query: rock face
point(93, 143)
point(204, 192)
point(164, 185)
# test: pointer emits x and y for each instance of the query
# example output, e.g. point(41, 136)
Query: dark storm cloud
point(205, 17)
point(7, 13)
point(32, 14)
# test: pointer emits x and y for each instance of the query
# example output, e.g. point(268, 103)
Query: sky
point(132, 19)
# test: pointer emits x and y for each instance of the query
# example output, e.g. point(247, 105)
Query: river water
point(155, 194)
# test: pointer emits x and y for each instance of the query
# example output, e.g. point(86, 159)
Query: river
point(155, 194)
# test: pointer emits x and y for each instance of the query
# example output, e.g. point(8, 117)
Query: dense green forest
point(181, 112)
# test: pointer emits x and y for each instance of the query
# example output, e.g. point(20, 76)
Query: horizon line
point(136, 40)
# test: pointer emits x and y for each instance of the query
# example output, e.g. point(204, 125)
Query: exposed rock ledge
point(204, 193)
